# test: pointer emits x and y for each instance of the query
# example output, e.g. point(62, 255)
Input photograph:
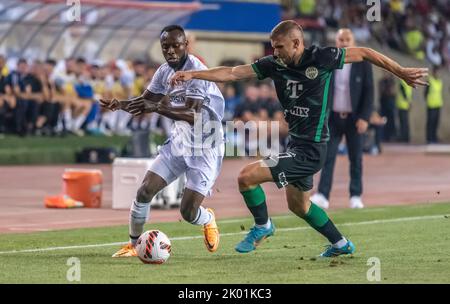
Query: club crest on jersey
point(312, 72)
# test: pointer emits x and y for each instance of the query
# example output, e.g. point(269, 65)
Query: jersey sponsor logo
point(298, 111)
point(294, 88)
point(177, 99)
point(312, 72)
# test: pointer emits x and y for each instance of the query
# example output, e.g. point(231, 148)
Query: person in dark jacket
point(351, 104)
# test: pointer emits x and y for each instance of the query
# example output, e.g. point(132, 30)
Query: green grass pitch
point(411, 242)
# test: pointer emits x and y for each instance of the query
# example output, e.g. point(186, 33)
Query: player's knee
point(299, 208)
point(188, 213)
point(145, 194)
point(244, 179)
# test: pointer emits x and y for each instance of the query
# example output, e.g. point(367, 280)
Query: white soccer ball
point(153, 247)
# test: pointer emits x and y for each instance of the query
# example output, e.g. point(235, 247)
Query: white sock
point(67, 117)
point(203, 217)
point(340, 243)
point(78, 122)
point(122, 120)
point(139, 214)
point(266, 225)
point(59, 125)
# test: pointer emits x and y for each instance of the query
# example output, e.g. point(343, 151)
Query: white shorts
point(201, 171)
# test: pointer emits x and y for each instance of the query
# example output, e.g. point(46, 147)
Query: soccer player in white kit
point(189, 150)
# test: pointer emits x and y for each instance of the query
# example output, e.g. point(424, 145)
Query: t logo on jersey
point(299, 111)
point(294, 88)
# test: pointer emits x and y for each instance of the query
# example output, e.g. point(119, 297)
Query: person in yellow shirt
point(403, 103)
point(139, 83)
point(435, 100)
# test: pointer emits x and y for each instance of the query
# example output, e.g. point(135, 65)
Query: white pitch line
point(394, 220)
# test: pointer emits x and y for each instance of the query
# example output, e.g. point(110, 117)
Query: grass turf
point(411, 250)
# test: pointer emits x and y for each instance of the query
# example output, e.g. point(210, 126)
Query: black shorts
point(298, 165)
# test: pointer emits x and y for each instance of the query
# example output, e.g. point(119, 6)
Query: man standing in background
point(434, 99)
point(403, 102)
point(386, 89)
point(352, 103)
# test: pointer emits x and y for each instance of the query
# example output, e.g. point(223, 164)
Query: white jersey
point(212, 110)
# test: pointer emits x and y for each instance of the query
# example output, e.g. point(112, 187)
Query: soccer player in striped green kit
point(302, 80)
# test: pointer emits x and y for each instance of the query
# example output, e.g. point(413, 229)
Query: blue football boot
point(331, 251)
point(254, 238)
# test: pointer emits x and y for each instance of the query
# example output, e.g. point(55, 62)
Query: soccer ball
point(153, 247)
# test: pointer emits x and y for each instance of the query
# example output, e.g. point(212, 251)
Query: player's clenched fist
point(179, 77)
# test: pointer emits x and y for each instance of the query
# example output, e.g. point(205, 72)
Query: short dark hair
point(81, 60)
point(284, 27)
point(22, 60)
point(51, 61)
point(171, 28)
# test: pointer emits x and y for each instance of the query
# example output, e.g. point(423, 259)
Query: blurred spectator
point(16, 84)
point(191, 47)
point(232, 100)
point(53, 102)
point(250, 109)
point(435, 101)
point(351, 104)
point(414, 40)
point(387, 93)
point(275, 113)
point(306, 8)
point(418, 27)
point(7, 99)
point(373, 136)
point(403, 103)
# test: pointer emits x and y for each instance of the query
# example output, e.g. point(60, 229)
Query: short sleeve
point(263, 67)
point(330, 58)
point(156, 85)
point(196, 89)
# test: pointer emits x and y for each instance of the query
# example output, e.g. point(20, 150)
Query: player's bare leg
point(299, 203)
point(192, 212)
point(249, 180)
point(139, 211)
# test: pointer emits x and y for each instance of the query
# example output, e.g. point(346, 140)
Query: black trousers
point(20, 116)
point(51, 112)
point(343, 126)
point(403, 116)
point(432, 124)
point(387, 110)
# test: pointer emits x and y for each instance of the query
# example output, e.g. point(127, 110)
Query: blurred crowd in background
point(420, 28)
point(55, 98)
point(58, 98)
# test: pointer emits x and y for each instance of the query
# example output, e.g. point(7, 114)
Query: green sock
point(319, 220)
point(256, 203)
point(316, 217)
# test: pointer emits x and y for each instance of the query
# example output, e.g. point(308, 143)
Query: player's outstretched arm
point(218, 74)
point(412, 76)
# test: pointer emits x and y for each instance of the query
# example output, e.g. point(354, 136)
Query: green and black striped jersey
point(303, 89)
